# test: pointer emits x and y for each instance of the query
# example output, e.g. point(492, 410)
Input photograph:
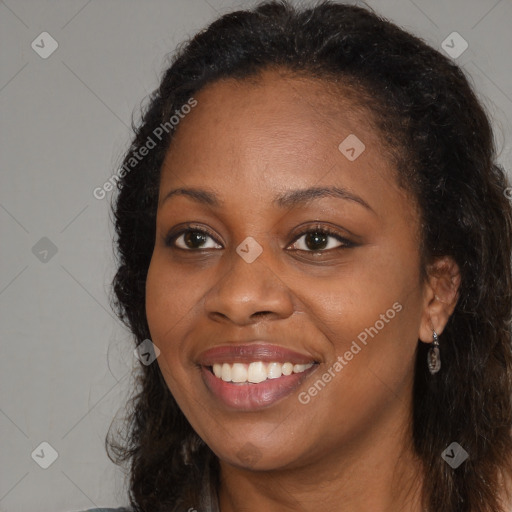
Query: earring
point(434, 357)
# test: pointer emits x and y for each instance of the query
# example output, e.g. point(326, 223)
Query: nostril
point(260, 313)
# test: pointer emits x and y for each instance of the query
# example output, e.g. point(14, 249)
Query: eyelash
point(346, 244)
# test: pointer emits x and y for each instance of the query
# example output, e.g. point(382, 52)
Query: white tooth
point(287, 368)
point(217, 370)
point(238, 372)
point(257, 372)
point(299, 368)
point(274, 370)
point(226, 372)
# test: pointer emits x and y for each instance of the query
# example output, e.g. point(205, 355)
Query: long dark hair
point(441, 143)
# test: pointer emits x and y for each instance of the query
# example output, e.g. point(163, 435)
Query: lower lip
point(250, 397)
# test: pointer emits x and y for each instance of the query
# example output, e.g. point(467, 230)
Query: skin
point(249, 141)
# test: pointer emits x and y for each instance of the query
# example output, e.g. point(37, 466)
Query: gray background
point(66, 360)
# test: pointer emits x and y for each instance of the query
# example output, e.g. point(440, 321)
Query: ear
point(441, 292)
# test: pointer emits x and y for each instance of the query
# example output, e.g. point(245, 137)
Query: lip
point(251, 397)
point(247, 353)
point(248, 396)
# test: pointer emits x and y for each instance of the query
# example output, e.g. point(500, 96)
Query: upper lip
point(249, 352)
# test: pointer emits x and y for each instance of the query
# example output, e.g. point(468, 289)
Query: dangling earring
point(434, 357)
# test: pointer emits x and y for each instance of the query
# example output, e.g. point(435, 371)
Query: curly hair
point(442, 146)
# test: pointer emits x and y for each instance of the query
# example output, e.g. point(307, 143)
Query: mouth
point(254, 376)
point(256, 372)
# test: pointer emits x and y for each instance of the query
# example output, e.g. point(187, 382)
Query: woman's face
point(257, 283)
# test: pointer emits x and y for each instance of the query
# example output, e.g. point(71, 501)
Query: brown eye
point(191, 239)
point(194, 239)
point(319, 240)
point(316, 241)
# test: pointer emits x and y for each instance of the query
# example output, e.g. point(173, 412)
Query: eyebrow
point(289, 199)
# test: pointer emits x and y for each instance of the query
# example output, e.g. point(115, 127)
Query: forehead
point(274, 128)
point(287, 108)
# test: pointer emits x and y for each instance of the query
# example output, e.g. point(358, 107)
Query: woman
point(315, 240)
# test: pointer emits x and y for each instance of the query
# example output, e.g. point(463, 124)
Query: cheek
point(369, 314)
point(371, 330)
point(170, 298)
point(355, 296)
point(167, 306)
point(170, 304)
point(174, 306)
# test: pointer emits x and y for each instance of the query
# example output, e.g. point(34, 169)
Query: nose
point(247, 292)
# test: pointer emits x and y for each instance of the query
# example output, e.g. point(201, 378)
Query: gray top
point(107, 510)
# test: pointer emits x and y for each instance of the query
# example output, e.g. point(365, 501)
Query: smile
point(253, 376)
point(257, 371)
